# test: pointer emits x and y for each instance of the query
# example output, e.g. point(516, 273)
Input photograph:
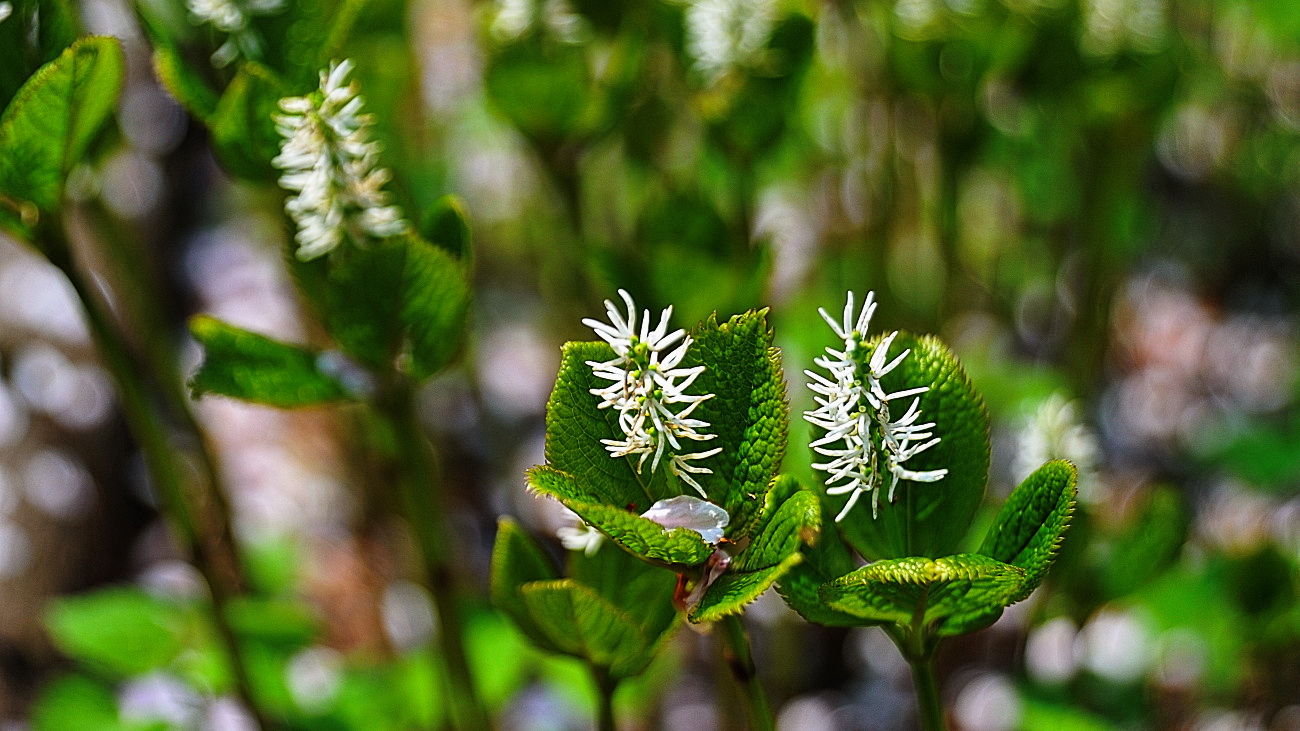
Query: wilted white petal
point(692, 513)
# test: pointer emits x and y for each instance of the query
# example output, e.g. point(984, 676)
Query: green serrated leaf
point(50, 123)
point(183, 83)
point(122, 632)
point(575, 426)
point(927, 518)
point(357, 293)
point(641, 536)
point(787, 524)
point(435, 299)
point(517, 561)
point(446, 225)
point(243, 126)
point(955, 587)
point(734, 589)
point(252, 367)
point(825, 559)
point(1028, 529)
point(748, 413)
point(581, 623)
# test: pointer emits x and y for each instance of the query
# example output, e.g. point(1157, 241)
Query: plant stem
point(184, 510)
point(741, 663)
point(423, 505)
point(605, 687)
point(927, 695)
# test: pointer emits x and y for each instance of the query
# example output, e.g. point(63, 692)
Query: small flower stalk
point(232, 17)
point(863, 439)
point(330, 164)
point(648, 390)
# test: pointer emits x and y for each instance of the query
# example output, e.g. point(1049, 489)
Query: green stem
point(605, 687)
point(927, 695)
point(423, 506)
point(740, 660)
point(166, 470)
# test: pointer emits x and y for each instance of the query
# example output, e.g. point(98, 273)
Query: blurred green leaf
point(1029, 528)
point(435, 300)
point(184, 83)
point(953, 588)
point(49, 125)
point(580, 622)
point(358, 295)
point(1150, 543)
point(642, 590)
point(252, 367)
point(445, 224)
point(78, 702)
point(122, 632)
point(927, 518)
point(516, 561)
point(287, 623)
point(749, 413)
point(243, 126)
point(542, 88)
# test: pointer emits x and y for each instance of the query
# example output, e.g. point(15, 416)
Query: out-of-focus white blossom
point(648, 390)
point(1054, 431)
point(330, 163)
point(723, 34)
point(6, 10)
point(232, 17)
point(862, 438)
point(515, 18)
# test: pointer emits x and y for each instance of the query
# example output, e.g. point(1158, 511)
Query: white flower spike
point(329, 162)
point(648, 389)
point(862, 439)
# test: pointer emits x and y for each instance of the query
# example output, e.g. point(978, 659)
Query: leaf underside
point(960, 590)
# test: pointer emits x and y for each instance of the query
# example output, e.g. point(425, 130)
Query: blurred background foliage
point(1096, 202)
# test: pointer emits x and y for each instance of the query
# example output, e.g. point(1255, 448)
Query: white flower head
point(232, 17)
point(6, 9)
point(648, 390)
point(722, 34)
point(863, 439)
point(330, 163)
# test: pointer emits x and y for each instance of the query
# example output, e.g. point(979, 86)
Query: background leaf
point(435, 300)
point(928, 518)
point(252, 367)
point(1028, 529)
point(123, 632)
point(243, 125)
point(580, 622)
point(516, 561)
point(49, 125)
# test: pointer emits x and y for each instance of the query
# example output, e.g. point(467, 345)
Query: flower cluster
point(329, 161)
point(232, 16)
point(648, 390)
point(862, 438)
